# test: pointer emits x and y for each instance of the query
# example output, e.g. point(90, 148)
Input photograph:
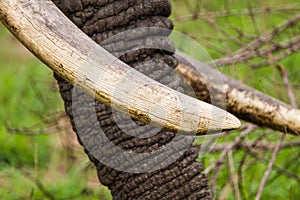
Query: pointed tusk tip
point(231, 122)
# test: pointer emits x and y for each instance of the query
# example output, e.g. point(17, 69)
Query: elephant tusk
point(56, 41)
point(244, 102)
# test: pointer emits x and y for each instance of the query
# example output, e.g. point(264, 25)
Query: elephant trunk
point(179, 179)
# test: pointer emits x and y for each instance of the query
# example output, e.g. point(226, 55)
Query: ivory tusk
point(56, 41)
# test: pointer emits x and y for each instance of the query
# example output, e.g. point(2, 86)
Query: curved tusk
point(241, 100)
point(48, 34)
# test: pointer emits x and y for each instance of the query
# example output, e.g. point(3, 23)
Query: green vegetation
point(39, 154)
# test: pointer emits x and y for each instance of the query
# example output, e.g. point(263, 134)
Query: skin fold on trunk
point(181, 179)
point(242, 101)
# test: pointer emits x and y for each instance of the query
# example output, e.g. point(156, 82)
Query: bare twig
point(287, 85)
point(269, 35)
point(262, 145)
point(283, 170)
point(270, 166)
point(240, 175)
point(233, 176)
point(220, 29)
point(214, 178)
point(278, 169)
point(209, 44)
point(219, 161)
point(277, 58)
point(251, 50)
point(288, 47)
point(225, 13)
point(241, 33)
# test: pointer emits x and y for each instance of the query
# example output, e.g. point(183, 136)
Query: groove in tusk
point(47, 33)
point(241, 100)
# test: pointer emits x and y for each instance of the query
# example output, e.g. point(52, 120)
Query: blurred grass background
point(39, 154)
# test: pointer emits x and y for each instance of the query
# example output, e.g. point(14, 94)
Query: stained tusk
point(241, 100)
point(48, 34)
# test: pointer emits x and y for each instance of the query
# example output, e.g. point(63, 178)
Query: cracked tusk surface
point(48, 34)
